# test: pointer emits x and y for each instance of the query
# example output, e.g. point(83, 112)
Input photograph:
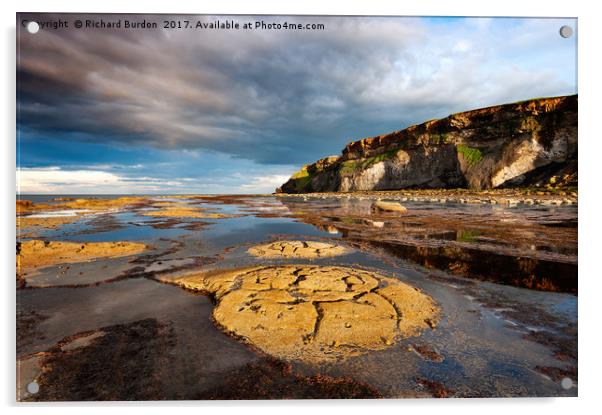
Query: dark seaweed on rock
point(128, 362)
point(271, 378)
point(131, 357)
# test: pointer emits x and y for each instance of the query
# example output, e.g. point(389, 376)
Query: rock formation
point(297, 249)
point(184, 210)
point(37, 253)
point(519, 144)
point(389, 207)
point(313, 313)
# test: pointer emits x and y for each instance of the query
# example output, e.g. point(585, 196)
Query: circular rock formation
point(297, 249)
point(314, 313)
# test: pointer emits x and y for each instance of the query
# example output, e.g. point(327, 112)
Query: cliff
point(520, 144)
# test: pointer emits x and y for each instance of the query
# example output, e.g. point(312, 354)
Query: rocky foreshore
point(509, 197)
point(319, 295)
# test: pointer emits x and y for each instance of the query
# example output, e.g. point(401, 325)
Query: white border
point(589, 202)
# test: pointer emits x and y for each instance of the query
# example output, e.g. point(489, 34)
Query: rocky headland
point(524, 144)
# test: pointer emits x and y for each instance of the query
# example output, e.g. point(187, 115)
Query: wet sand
point(506, 329)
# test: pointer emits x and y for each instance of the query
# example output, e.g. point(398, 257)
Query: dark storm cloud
point(275, 97)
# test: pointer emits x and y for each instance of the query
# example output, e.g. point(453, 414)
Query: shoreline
point(495, 196)
point(527, 196)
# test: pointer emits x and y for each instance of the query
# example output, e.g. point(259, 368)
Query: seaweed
point(473, 156)
point(350, 166)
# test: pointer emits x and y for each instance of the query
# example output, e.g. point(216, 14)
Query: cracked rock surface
point(297, 249)
point(313, 313)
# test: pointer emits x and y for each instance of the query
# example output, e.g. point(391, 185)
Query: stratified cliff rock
point(518, 144)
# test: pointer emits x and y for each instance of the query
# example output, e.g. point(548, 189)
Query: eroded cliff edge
point(521, 144)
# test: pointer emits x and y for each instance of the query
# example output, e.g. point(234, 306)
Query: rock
point(36, 253)
point(427, 353)
point(376, 224)
point(50, 222)
point(24, 206)
point(103, 204)
point(332, 229)
point(90, 204)
point(390, 206)
point(526, 143)
point(182, 210)
point(313, 313)
point(297, 249)
point(81, 341)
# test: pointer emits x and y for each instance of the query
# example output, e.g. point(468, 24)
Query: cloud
point(274, 97)
point(264, 184)
point(55, 180)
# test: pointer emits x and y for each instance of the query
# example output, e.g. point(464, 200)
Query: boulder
point(389, 206)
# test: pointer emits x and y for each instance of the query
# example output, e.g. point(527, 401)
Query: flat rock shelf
point(314, 313)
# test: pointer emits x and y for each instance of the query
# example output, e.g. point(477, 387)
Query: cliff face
point(516, 144)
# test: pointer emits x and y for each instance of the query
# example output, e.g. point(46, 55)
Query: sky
point(238, 111)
